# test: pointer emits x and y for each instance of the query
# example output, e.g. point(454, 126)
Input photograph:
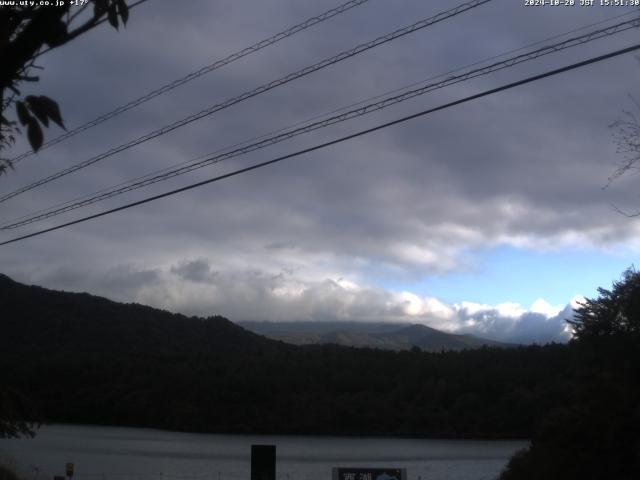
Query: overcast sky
point(488, 217)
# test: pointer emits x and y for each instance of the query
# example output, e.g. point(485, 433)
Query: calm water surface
point(110, 453)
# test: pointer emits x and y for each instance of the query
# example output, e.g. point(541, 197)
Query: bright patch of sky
point(524, 276)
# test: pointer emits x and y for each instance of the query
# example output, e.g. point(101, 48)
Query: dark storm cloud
point(125, 280)
point(120, 282)
point(194, 270)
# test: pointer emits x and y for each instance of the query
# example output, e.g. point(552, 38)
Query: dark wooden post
point(263, 462)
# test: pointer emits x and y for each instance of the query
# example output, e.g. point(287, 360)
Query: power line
point(508, 86)
point(194, 165)
point(252, 93)
point(198, 73)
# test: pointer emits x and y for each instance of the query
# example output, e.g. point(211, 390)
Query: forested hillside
point(86, 359)
point(35, 319)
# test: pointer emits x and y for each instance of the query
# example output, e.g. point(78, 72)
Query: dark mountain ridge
point(36, 318)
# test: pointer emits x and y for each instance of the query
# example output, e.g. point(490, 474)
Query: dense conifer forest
point(594, 433)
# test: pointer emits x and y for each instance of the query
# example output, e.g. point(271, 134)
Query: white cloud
point(577, 301)
point(507, 309)
point(415, 306)
point(546, 309)
point(195, 287)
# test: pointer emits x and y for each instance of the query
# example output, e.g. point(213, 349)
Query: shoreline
point(451, 438)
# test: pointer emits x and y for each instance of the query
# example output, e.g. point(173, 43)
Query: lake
point(113, 453)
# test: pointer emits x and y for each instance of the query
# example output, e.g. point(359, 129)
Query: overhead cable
point(354, 113)
point(198, 73)
point(252, 93)
point(492, 91)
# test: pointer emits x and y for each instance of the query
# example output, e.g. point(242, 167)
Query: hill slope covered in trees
point(85, 359)
point(47, 321)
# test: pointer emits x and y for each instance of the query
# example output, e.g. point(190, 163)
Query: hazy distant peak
point(385, 336)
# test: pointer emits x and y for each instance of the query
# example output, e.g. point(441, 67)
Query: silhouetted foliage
point(614, 312)
point(596, 433)
point(17, 414)
point(26, 32)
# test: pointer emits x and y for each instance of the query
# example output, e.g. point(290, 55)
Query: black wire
point(193, 75)
point(424, 23)
point(286, 134)
point(336, 141)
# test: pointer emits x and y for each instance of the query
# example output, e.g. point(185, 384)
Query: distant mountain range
point(384, 336)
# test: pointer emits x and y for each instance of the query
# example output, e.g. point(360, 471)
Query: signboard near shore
point(364, 473)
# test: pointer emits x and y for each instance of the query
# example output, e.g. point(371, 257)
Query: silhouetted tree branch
point(27, 32)
point(614, 312)
point(626, 134)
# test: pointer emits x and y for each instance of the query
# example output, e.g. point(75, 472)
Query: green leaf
point(45, 109)
point(23, 114)
point(123, 10)
point(113, 16)
point(37, 109)
point(34, 134)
